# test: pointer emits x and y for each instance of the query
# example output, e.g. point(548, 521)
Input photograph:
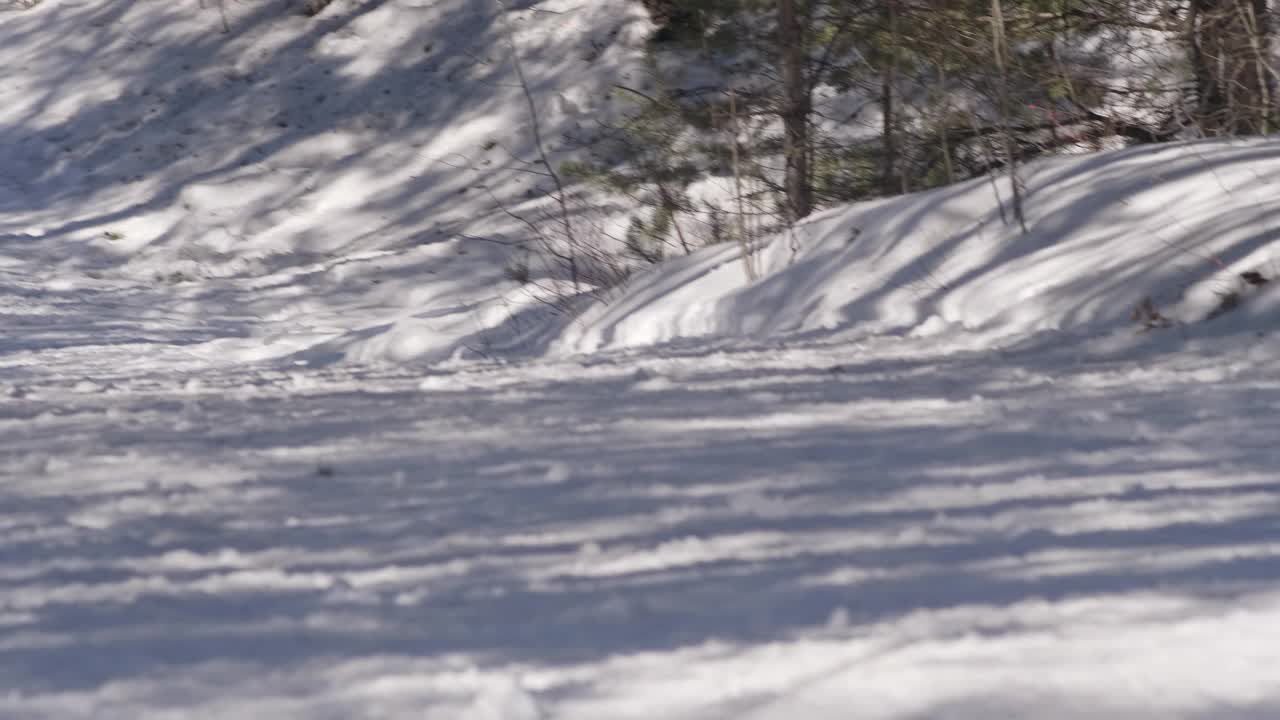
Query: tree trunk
point(1229, 42)
point(889, 77)
point(796, 108)
point(1000, 55)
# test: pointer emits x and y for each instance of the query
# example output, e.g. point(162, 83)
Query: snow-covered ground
point(278, 441)
point(821, 530)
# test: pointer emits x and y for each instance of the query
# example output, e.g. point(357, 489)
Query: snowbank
point(1173, 223)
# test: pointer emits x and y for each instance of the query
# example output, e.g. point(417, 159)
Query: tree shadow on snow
point(548, 521)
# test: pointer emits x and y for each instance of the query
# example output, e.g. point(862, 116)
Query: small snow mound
point(504, 699)
point(934, 325)
point(558, 472)
point(437, 382)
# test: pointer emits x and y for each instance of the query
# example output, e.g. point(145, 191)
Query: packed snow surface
point(278, 440)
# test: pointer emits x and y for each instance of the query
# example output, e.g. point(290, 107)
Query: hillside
point(355, 186)
point(351, 174)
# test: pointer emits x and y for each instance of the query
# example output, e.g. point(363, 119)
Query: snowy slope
point(337, 177)
point(925, 468)
point(1174, 223)
point(336, 184)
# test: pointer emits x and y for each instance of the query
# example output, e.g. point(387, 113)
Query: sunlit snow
point(279, 440)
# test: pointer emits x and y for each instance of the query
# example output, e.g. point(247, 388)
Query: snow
point(1177, 223)
point(320, 168)
point(277, 439)
point(912, 536)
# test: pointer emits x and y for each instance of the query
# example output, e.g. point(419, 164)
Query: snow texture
point(278, 441)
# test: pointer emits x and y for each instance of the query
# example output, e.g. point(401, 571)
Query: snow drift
point(1177, 224)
